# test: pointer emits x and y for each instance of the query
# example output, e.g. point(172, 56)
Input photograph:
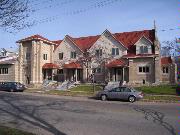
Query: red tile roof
point(57, 42)
point(130, 38)
point(50, 66)
point(85, 43)
point(126, 38)
point(73, 65)
point(166, 60)
point(116, 63)
point(36, 37)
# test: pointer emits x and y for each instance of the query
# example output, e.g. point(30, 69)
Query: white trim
point(114, 38)
point(67, 36)
point(145, 38)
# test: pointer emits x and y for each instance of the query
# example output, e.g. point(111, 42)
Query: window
point(115, 51)
point(143, 49)
point(99, 52)
point(60, 56)
point(45, 56)
point(60, 71)
point(28, 56)
point(165, 70)
point(144, 69)
point(116, 90)
point(3, 70)
point(125, 89)
point(73, 55)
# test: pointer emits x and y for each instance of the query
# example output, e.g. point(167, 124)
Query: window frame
point(143, 49)
point(98, 53)
point(45, 56)
point(61, 56)
point(4, 71)
point(142, 69)
point(73, 55)
point(115, 51)
point(165, 70)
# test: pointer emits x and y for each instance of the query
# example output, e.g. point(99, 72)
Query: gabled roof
point(85, 43)
point(166, 60)
point(130, 38)
point(36, 37)
point(57, 42)
point(127, 39)
point(116, 63)
point(115, 38)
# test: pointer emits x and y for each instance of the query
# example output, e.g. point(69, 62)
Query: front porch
point(118, 71)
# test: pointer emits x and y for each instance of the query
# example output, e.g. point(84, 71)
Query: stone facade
point(133, 57)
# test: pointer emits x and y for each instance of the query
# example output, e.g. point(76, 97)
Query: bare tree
point(13, 15)
point(170, 48)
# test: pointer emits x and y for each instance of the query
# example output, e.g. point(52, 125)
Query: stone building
point(133, 57)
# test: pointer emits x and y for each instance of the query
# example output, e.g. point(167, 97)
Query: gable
point(143, 41)
point(106, 42)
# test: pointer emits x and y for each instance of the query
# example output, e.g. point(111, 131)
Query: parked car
point(12, 86)
point(124, 93)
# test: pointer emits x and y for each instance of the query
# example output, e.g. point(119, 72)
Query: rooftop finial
point(154, 24)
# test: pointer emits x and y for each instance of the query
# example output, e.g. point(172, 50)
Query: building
point(9, 69)
point(133, 57)
point(7, 53)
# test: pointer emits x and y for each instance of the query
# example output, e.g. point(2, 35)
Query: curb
point(90, 97)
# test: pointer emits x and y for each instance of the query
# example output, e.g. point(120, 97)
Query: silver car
point(124, 93)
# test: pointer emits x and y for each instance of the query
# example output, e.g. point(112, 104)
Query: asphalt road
point(52, 115)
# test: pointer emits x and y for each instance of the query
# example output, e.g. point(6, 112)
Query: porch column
point(115, 70)
point(76, 74)
point(109, 75)
point(52, 74)
point(65, 74)
point(123, 75)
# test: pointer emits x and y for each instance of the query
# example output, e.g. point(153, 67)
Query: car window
point(125, 89)
point(116, 90)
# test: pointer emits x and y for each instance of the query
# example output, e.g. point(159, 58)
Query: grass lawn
point(158, 90)
point(82, 90)
point(11, 131)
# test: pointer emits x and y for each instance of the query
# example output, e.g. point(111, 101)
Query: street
point(53, 115)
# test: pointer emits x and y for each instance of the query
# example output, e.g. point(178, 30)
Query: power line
point(96, 5)
point(168, 29)
point(52, 6)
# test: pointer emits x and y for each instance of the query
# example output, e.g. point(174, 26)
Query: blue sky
point(83, 18)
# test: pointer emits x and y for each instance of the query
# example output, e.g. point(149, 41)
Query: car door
point(112, 94)
point(125, 93)
point(115, 93)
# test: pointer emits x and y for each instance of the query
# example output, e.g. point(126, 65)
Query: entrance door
point(119, 75)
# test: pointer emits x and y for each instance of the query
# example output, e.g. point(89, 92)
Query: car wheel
point(132, 99)
point(103, 97)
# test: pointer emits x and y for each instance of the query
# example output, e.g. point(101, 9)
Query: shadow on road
point(22, 114)
point(156, 117)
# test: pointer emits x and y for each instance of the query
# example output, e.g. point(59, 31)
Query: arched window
point(143, 49)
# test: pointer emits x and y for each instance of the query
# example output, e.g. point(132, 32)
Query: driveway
point(53, 115)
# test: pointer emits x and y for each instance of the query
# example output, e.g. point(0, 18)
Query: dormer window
point(143, 49)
